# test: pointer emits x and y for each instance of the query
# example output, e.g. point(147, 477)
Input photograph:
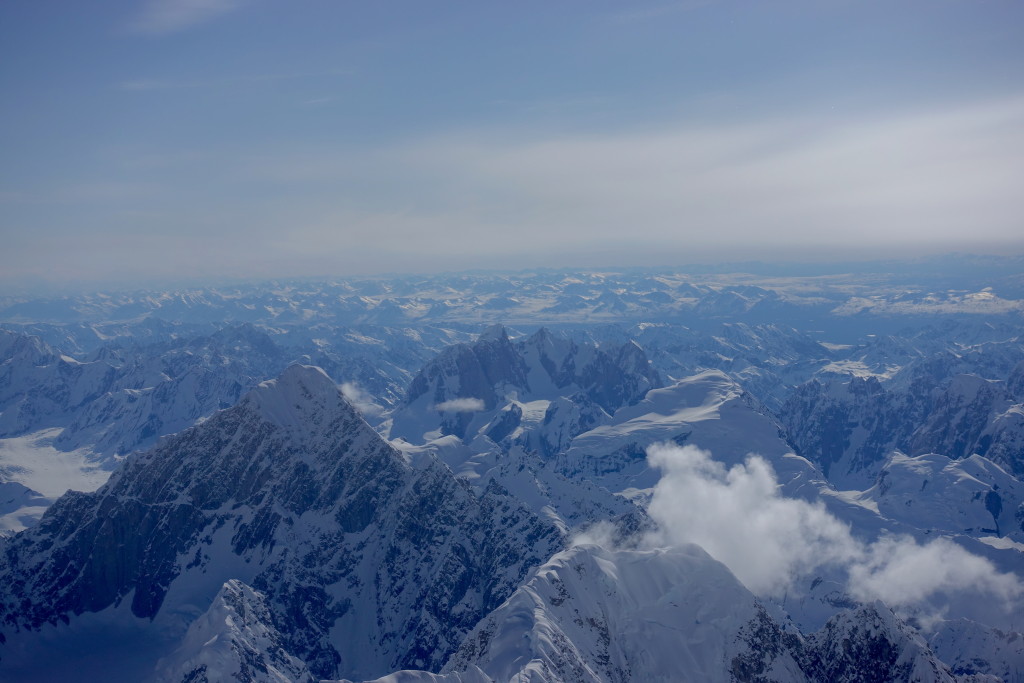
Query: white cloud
point(167, 16)
point(740, 519)
point(941, 177)
point(794, 188)
point(602, 533)
point(901, 572)
point(767, 540)
point(360, 399)
point(460, 405)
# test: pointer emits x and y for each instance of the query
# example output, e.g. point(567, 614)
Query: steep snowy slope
point(592, 614)
point(871, 644)
point(368, 563)
point(768, 359)
point(235, 639)
point(20, 506)
point(596, 615)
point(973, 496)
point(41, 388)
point(972, 648)
point(709, 410)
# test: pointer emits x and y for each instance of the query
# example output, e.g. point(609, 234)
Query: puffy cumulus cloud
point(460, 405)
point(901, 572)
point(360, 399)
point(738, 516)
point(767, 540)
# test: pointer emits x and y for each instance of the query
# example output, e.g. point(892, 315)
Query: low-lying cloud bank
point(768, 541)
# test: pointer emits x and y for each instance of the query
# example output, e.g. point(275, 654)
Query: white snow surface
point(592, 614)
point(32, 460)
point(708, 409)
point(933, 492)
point(33, 474)
point(233, 640)
point(288, 481)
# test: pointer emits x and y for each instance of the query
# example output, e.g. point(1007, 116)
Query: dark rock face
point(610, 377)
point(542, 366)
point(565, 418)
point(860, 422)
point(333, 526)
point(958, 417)
point(870, 645)
point(764, 641)
point(505, 424)
point(39, 388)
point(471, 371)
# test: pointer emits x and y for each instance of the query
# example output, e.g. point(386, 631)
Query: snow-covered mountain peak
point(367, 563)
point(16, 347)
point(301, 398)
point(234, 639)
point(494, 333)
point(872, 643)
point(601, 615)
point(706, 390)
point(459, 391)
point(973, 496)
point(968, 387)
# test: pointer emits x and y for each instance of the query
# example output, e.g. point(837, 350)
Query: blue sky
point(163, 139)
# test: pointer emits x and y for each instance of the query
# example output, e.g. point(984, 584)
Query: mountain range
point(639, 476)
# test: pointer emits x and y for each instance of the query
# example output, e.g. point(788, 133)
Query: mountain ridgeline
point(369, 481)
point(375, 564)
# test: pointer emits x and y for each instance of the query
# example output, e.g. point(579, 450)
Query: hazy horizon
point(199, 140)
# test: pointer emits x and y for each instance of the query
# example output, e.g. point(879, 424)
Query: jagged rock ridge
point(368, 563)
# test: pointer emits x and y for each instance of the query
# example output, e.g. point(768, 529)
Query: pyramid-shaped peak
point(544, 338)
point(301, 397)
point(298, 376)
point(496, 332)
point(542, 334)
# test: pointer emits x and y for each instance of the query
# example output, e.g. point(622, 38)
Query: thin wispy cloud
point(168, 16)
point(657, 11)
point(604, 143)
point(942, 176)
point(143, 84)
point(460, 405)
point(786, 187)
point(362, 401)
